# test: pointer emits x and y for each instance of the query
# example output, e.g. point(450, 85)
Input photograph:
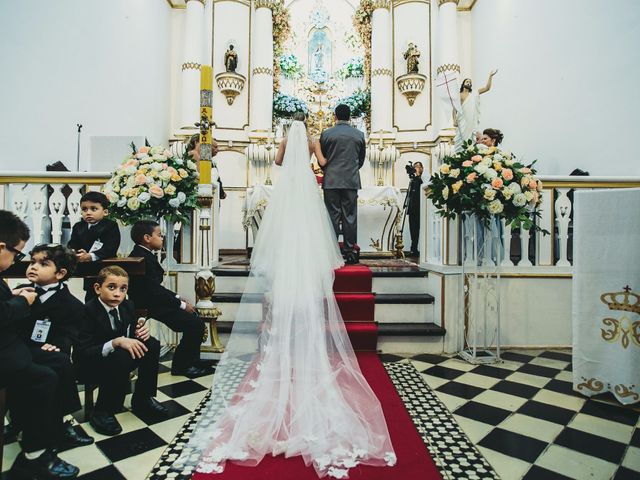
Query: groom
point(344, 148)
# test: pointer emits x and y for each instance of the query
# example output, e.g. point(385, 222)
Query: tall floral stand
point(480, 303)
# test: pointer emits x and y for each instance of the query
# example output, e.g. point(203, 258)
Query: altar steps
point(402, 308)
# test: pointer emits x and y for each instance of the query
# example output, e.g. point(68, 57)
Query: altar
point(379, 209)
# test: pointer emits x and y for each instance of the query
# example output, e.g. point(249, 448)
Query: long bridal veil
point(289, 382)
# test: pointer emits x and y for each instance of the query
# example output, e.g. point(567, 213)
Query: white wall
point(102, 64)
point(567, 90)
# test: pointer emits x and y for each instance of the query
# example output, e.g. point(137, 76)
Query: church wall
point(101, 64)
point(566, 91)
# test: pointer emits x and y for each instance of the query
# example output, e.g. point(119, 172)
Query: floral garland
point(290, 66)
point(152, 183)
point(362, 24)
point(359, 102)
point(284, 106)
point(352, 68)
point(488, 183)
point(281, 32)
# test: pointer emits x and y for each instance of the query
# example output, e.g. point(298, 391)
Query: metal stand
point(480, 291)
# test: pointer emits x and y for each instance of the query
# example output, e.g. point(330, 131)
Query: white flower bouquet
point(152, 183)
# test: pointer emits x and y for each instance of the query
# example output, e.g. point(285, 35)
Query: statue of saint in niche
point(411, 56)
point(231, 59)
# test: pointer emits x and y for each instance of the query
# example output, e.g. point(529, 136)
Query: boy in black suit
point(52, 328)
point(33, 384)
point(163, 304)
point(94, 237)
point(112, 344)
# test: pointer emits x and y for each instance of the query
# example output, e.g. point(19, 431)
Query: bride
point(289, 382)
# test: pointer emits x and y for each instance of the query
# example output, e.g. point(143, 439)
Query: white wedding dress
point(289, 382)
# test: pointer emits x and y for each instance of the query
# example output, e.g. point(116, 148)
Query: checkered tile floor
point(519, 419)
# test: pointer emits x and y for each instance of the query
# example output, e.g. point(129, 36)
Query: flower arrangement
point(352, 68)
point(290, 66)
point(285, 106)
point(152, 183)
point(359, 102)
point(487, 182)
point(281, 32)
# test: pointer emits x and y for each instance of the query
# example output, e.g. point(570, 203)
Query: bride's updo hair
point(299, 116)
point(494, 134)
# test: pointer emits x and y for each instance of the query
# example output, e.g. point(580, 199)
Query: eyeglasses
point(17, 254)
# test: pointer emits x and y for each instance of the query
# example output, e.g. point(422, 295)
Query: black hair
point(494, 134)
point(62, 257)
point(142, 228)
point(193, 141)
point(343, 112)
point(462, 87)
point(95, 197)
point(12, 229)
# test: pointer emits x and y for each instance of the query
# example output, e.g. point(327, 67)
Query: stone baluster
point(56, 211)
point(563, 212)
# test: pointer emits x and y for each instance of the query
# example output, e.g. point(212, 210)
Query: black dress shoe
point(105, 423)
point(191, 372)
point(71, 438)
point(47, 466)
point(352, 258)
point(148, 407)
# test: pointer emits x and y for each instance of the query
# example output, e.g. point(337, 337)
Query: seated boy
point(33, 385)
point(52, 328)
point(112, 344)
point(164, 305)
point(94, 237)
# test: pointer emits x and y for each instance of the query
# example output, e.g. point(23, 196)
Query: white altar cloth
point(606, 289)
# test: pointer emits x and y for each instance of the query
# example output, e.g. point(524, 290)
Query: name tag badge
point(41, 330)
point(97, 245)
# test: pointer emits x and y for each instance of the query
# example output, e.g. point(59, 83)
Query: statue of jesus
point(466, 111)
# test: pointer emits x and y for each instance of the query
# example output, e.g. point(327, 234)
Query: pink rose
point(535, 198)
point(467, 163)
point(472, 177)
point(507, 174)
point(525, 170)
point(476, 158)
point(533, 184)
point(156, 191)
point(497, 183)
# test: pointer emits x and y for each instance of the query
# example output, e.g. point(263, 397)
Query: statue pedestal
point(411, 85)
point(230, 84)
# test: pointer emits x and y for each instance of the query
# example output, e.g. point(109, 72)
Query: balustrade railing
point(524, 251)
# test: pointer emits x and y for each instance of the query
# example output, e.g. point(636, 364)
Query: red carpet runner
point(356, 302)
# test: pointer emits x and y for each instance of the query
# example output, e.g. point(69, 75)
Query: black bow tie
point(41, 291)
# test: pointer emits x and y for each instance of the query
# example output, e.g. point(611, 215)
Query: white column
point(192, 59)
point(381, 67)
point(262, 67)
point(448, 62)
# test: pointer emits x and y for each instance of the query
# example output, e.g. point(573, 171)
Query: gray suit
point(344, 148)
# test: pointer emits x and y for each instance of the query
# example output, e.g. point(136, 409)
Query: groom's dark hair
point(343, 112)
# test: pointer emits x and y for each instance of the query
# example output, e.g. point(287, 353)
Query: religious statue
point(318, 59)
point(411, 56)
point(466, 110)
point(231, 59)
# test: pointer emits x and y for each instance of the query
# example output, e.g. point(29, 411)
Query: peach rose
point(476, 158)
point(141, 179)
point(507, 174)
point(536, 197)
point(497, 183)
point(144, 149)
point(533, 184)
point(472, 177)
point(525, 170)
point(467, 163)
point(156, 191)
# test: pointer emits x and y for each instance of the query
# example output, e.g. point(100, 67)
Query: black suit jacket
point(82, 237)
point(147, 291)
point(96, 328)
point(14, 354)
point(107, 231)
point(66, 314)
